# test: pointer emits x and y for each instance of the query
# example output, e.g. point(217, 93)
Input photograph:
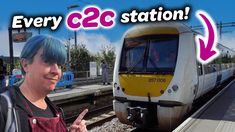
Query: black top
point(21, 111)
point(38, 112)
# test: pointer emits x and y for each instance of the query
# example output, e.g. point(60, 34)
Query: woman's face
point(41, 74)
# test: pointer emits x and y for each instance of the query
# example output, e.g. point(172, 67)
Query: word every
point(155, 15)
point(24, 22)
point(90, 18)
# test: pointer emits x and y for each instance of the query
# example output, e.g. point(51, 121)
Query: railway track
point(99, 120)
point(95, 117)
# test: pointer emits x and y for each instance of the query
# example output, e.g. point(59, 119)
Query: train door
point(219, 75)
point(201, 77)
point(233, 65)
point(200, 74)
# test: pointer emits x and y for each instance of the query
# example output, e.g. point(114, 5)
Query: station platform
point(217, 115)
point(78, 91)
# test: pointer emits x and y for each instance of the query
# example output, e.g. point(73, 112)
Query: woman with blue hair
point(41, 61)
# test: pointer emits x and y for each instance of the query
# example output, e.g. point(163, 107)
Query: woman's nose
point(55, 69)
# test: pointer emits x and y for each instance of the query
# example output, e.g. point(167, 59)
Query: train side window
point(222, 66)
point(218, 67)
point(214, 69)
point(208, 68)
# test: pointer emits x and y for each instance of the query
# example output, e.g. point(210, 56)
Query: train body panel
point(133, 84)
point(159, 94)
point(209, 81)
point(225, 74)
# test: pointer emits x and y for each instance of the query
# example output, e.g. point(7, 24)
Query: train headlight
point(169, 90)
point(175, 88)
point(116, 86)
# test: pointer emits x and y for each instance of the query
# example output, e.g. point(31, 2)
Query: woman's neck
point(33, 94)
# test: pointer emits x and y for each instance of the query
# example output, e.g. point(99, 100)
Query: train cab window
point(154, 53)
point(133, 55)
point(162, 55)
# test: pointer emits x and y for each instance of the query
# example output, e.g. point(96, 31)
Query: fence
point(83, 78)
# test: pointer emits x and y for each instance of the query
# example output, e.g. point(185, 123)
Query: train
point(157, 76)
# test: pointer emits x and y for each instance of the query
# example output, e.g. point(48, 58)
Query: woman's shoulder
point(3, 107)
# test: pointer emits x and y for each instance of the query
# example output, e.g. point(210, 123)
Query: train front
point(144, 93)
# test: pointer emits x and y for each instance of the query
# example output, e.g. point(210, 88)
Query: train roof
point(157, 28)
point(164, 28)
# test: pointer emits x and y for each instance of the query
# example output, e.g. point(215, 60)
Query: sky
point(94, 39)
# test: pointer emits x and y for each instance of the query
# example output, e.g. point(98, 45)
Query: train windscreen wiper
point(132, 67)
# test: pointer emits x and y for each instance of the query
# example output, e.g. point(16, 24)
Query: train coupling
point(137, 115)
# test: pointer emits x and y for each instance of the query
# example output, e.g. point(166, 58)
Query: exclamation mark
point(186, 13)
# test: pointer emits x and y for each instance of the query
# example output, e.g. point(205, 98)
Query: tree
point(80, 58)
point(108, 54)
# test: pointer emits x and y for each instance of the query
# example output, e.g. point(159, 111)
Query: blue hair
point(53, 50)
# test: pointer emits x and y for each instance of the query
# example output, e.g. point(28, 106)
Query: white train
point(157, 76)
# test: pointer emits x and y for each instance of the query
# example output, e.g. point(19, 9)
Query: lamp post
point(17, 38)
point(11, 50)
point(75, 32)
point(75, 40)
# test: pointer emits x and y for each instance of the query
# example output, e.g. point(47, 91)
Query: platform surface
point(219, 116)
point(66, 93)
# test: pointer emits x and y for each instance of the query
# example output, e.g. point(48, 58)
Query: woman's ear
point(24, 64)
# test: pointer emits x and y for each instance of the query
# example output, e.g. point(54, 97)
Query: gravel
point(112, 126)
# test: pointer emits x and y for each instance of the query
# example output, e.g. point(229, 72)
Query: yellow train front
point(155, 75)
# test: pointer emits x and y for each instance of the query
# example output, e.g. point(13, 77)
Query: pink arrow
point(206, 50)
